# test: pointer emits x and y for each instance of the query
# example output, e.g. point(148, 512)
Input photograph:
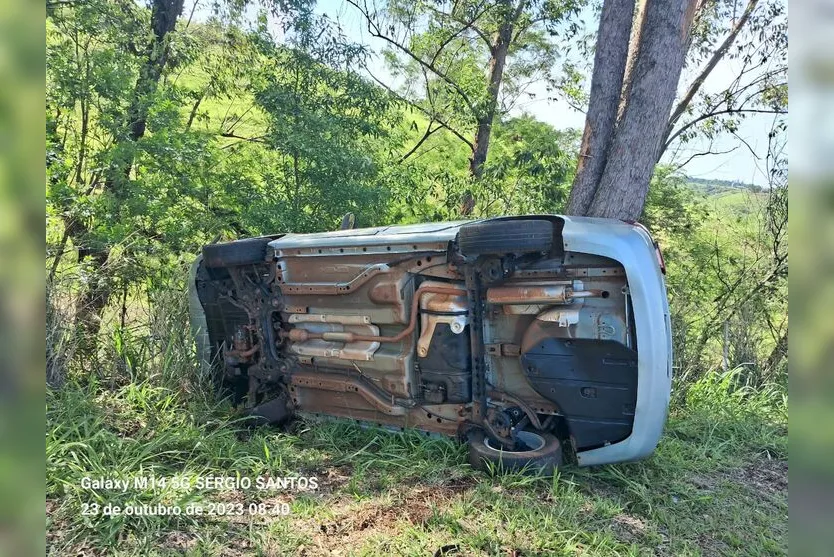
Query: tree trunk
point(606, 84)
point(164, 17)
point(778, 353)
point(91, 303)
point(498, 58)
point(496, 74)
point(695, 86)
point(633, 50)
point(634, 149)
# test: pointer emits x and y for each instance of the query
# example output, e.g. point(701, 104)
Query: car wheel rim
point(532, 440)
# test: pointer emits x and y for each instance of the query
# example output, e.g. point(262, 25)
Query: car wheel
point(241, 252)
point(498, 237)
point(544, 457)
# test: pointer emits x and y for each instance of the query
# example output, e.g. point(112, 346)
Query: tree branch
point(426, 135)
point(716, 57)
point(374, 30)
point(449, 39)
point(718, 113)
point(423, 110)
point(258, 139)
point(702, 154)
point(522, 28)
point(193, 112)
point(466, 24)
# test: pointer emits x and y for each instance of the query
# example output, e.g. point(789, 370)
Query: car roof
point(421, 233)
point(395, 234)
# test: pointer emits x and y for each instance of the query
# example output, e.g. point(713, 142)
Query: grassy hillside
point(712, 186)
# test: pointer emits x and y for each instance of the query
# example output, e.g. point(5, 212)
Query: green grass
point(717, 483)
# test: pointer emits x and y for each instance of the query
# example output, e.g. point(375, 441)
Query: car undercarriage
point(493, 331)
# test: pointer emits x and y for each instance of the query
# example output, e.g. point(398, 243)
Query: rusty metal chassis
point(280, 288)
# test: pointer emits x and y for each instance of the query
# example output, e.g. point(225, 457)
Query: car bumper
point(634, 249)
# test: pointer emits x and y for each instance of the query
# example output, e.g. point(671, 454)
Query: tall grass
point(60, 336)
point(721, 413)
point(151, 413)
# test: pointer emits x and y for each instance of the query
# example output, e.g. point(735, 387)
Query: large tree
point(154, 118)
point(630, 104)
point(641, 50)
point(331, 129)
point(93, 39)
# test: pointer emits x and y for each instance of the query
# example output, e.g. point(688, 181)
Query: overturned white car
point(536, 339)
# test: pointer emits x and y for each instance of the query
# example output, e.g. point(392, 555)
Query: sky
point(739, 162)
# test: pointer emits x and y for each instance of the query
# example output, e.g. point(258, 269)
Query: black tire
point(545, 459)
point(231, 254)
point(498, 237)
